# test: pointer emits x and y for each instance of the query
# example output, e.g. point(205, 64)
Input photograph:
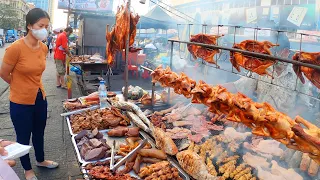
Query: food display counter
point(95, 133)
point(89, 72)
point(215, 135)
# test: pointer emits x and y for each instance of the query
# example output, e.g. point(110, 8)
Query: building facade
point(51, 10)
point(21, 7)
point(43, 4)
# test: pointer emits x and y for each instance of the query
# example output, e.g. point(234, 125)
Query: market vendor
point(60, 53)
point(23, 64)
point(282, 98)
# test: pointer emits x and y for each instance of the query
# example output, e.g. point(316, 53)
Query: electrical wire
point(170, 11)
point(178, 11)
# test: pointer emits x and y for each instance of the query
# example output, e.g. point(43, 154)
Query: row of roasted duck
point(256, 65)
point(262, 118)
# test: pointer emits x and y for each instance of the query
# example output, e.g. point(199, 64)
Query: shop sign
point(297, 15)
point(86, 5)
point(251, 15)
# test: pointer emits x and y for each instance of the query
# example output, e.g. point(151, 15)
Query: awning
point(157, 18)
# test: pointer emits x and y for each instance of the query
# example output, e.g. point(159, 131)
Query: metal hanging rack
point(246, 53)
point(249, 53)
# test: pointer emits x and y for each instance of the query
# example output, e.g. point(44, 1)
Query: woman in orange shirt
point(23, 64)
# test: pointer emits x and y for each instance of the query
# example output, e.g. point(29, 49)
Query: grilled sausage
point(153, 153)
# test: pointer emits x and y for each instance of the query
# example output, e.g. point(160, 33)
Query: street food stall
point(206, 131)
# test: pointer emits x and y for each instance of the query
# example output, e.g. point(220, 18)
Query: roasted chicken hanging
point(312, 74)
point(256, 65)
point(262, 118)
point(116, 39)
point(202, 52)
point(181, 84)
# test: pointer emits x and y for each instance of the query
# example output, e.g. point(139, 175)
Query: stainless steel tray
point(174, 163)
point(74, 134)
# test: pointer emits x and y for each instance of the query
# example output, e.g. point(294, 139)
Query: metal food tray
point(74, 134)
point(86, 176)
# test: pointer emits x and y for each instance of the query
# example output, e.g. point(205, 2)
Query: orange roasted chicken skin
point(116, 39)
point(312, 74)
point(262, 118)
point(202, 52)
point(181, 84)
point(256, 65)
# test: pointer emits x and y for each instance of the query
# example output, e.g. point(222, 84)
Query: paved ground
point(54, 146)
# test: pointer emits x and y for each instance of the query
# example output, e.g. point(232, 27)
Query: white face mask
point(40, 34)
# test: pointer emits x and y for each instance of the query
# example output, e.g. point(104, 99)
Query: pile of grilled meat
point(180, 122)
point(223, 157)
point(146, 155)
point(101, 119)
point(92, 146)
point(262, 118)
point(80, 59)
point(160, 170)
point(101, 170)
point(147, 163)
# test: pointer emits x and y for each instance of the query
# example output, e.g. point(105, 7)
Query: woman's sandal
point(34, 177)
point(53, 165)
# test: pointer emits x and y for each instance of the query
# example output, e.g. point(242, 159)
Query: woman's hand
point(3, 152)
point(5, 72)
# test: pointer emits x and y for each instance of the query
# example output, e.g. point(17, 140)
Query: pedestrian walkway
point(54, 146)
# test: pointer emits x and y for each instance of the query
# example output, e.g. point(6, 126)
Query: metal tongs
point(113, 147)
point(80, 111)
point(113, 168)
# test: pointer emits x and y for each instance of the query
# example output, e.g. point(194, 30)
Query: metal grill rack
point(256, 30)
point(261, 56)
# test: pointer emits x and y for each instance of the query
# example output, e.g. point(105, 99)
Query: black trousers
point(30, 120)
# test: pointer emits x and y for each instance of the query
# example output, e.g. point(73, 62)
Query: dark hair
point(61, 31)
point(34, 15)
point(69, 29)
